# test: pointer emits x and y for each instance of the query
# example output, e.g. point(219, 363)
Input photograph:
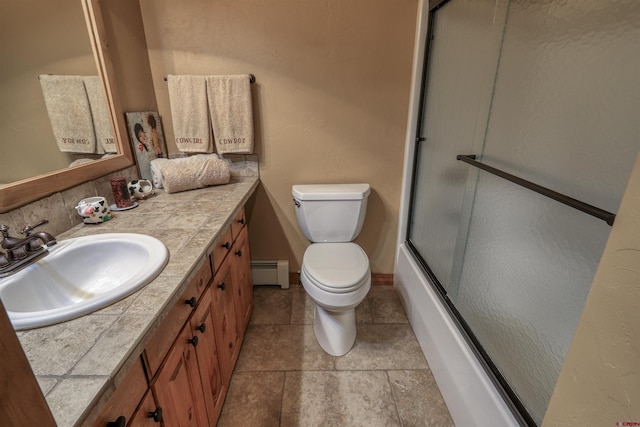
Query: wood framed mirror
point(21, 192)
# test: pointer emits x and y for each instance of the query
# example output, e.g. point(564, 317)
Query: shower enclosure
point(547, 92)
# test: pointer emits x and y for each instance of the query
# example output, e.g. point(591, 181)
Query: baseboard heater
point(271, 273)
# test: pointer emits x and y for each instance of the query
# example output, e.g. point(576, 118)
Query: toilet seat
point(336, 267)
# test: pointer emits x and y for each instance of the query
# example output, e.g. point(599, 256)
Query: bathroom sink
point(81, 275)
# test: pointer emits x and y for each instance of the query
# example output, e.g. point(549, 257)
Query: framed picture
point(147, 139)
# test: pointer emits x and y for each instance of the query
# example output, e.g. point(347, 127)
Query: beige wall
point(599, 384)
point(330, 101)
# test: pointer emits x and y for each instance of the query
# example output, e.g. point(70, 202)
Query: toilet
point(335, 271)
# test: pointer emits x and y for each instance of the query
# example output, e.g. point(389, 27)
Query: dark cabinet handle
point(156, 415)
point(239, 253)
point(191, 301)
point(202, 327)
point(241, 221)
point(226, 245)
point(222, 286)
point(120, 422)
point(193, 341)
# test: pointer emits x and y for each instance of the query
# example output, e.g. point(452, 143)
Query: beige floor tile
point(282, 348)
point(302, 308)
point(383, 346)
point(338, 399)
point(363, 311)
point(418, 399)
point(253, 399)
point(271, 306)
point(386, 307)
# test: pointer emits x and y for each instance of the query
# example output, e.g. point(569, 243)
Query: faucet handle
point(27, 228)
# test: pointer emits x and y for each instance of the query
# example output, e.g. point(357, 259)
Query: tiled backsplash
point(59, 208)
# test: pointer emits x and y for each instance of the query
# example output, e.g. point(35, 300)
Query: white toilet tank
point(331, 212)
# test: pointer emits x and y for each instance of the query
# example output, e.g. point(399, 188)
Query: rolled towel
point(157, 166)
point(196, 173)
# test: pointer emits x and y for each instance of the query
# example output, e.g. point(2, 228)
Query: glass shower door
point(552, 99)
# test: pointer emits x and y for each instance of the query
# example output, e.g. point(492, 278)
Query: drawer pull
point(241, 221)
point(202, 327)
point(191, 301)
point(120, 422)
point(226, 245)
point(156, 415)
point(222, 286)
point(239, 253)
point(193, 341)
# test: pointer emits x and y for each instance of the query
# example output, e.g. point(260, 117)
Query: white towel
point(68, 107)
point(195, 173)
point(231, 113)
point(100, 116)
point(191, 128)
point(158, 165)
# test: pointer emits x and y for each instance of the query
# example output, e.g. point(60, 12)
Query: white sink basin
point(80, 276)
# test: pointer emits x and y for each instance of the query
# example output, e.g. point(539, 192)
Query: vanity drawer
point(220, 251)
point(125, 399)
point(238, 223)
point(164, 337)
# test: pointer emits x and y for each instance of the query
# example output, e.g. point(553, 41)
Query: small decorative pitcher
point(94, 210)
point(140, 188)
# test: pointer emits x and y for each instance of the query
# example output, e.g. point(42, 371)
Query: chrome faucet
point(20, 252)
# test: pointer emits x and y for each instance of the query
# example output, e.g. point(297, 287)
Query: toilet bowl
point(335, 272)
point(336, 276)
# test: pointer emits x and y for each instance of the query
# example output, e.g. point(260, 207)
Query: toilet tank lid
point(331, 191)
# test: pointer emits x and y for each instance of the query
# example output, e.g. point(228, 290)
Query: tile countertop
point(78, 363)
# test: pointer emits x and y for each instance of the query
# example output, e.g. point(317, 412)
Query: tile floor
point(284, 378)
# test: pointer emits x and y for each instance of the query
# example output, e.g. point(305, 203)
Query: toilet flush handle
point(297, 203)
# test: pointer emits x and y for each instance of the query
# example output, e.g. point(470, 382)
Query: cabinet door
point(242, 281)
point(148, 413)
point(207, 353)
point(178, 388)
point(224, 320)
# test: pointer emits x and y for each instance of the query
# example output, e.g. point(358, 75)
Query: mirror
point(41, 37)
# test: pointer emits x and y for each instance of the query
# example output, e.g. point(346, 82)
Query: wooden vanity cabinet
point(189, 360)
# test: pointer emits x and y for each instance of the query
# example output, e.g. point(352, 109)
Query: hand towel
point(231, 113)
point(67, 104)
point(195, 173)
point(158, 165)
point(100, 116)
point(188, 99)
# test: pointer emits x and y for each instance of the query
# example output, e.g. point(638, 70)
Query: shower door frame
point(414, 131)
